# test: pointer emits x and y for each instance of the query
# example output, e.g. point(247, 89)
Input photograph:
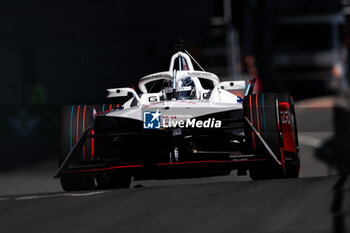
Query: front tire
point(74, 120)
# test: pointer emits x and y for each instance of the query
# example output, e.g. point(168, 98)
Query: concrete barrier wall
point(28, 134)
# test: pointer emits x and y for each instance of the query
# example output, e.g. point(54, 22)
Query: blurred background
point(68, 52)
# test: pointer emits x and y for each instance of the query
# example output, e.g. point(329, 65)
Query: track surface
point(297, 205)
point(31, 201)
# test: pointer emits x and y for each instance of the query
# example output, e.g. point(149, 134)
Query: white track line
point(309, 141)
point(83, 194)
point(60, 194)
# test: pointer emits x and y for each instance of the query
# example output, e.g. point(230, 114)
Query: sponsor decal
point(157, 120)
point(192, 123)
point(151, 120)
point(285, 117)
point(196, 73)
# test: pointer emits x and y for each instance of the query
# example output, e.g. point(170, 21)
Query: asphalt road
point(319, 201)
point(295, 205)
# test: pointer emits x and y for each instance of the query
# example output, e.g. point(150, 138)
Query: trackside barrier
point(28, 134)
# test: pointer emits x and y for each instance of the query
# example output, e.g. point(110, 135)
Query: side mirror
point(232, 85)
point(122, 92)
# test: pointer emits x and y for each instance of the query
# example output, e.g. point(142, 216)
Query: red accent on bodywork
point(83, 152)
point(102, 169)
point(239, 93)
point(282, 156)
point(92, 145)
point(104, 112)
point(83, 130)
point(163, 164)
point(84, 117)
point(288, 130)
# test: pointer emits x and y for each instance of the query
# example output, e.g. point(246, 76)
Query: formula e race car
point(184, 123)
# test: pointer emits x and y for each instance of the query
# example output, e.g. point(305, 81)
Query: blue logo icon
point(151, 120)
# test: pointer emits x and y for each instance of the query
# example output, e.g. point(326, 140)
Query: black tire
point(77, 182)
point(291, 143)
point(119, 180)
point(74, 120)
point(263, 112)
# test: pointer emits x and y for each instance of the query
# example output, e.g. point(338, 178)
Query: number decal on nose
point(285, 117)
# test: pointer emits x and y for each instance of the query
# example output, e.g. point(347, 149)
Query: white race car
point(184, 123)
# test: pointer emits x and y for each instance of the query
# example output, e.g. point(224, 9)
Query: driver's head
point(187, 89)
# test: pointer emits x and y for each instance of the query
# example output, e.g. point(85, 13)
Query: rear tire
point(263, 112)
point(290, 135)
